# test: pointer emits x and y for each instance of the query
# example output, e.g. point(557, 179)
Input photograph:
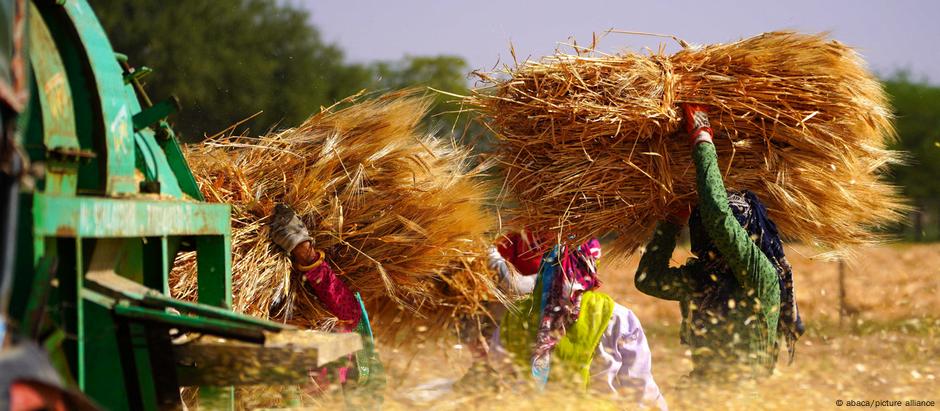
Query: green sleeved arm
point(653, 276)
point(751, 267)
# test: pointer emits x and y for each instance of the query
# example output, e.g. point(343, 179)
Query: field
point(887, 347)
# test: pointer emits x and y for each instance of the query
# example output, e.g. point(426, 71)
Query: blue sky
point(891, 35)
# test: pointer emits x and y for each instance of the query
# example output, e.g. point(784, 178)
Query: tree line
point(227, 59)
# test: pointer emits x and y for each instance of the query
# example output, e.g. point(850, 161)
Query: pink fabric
point(593, 248)
point(335, 296)
point(340, 301)
point(320, 377)
point(577, 274)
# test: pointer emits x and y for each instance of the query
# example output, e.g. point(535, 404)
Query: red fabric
point(696, 121)
point(335, 295)
point(701, 135)
point(523, 251)
point(694, 115)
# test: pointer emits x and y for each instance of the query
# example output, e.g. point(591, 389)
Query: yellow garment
point(575, 351)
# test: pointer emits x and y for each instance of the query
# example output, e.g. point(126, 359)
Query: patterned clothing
point(738, 337)
point(752, 215)
point(565, 275)
point(335, 296)
point(347, 306)
point(619, 361)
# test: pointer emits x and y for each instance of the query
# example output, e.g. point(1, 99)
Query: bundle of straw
point(400, 215)
point(589, 143)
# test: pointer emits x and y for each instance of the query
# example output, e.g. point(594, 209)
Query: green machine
point(112, 204)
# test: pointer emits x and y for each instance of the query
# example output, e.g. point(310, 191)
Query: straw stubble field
point(888, 347)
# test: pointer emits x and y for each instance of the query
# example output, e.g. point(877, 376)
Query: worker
point(515, 258)
point(566, 322)
point(290, 234)
point(736, 294)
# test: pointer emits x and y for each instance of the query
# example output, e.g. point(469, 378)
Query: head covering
point(715, 292)
point(524, 250)
point(27, 363)
point(566, 274)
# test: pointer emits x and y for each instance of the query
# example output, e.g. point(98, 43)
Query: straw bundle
point(399, 214)
point(589, 143)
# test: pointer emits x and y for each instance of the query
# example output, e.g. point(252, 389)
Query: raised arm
point(332, 292)
point(289, 233)
point(653, 276)
point(751, 267)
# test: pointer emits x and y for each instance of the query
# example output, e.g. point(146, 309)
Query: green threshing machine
point(98, 232)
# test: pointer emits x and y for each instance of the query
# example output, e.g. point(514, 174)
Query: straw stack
point(400, 215)
point(589, 141)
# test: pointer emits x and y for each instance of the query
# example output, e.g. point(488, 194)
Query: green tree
point(917, 107)
point(227, 60)
point(444, 73)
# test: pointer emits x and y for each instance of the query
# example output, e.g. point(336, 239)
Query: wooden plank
point(285, 358)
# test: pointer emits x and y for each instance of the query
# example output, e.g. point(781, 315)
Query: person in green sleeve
point(736, 294)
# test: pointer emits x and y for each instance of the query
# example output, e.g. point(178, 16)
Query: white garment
point(510, 281)
point(622, 363)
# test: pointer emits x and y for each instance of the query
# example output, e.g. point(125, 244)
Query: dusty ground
point(887, 348)
point(888, 283)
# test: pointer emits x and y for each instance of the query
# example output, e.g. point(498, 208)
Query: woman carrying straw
point(736, 295)
point(515, 257)
point(578, 334)
point(290, 234)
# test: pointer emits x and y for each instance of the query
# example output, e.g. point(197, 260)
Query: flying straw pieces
point(400, 215)
point(589, 141)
